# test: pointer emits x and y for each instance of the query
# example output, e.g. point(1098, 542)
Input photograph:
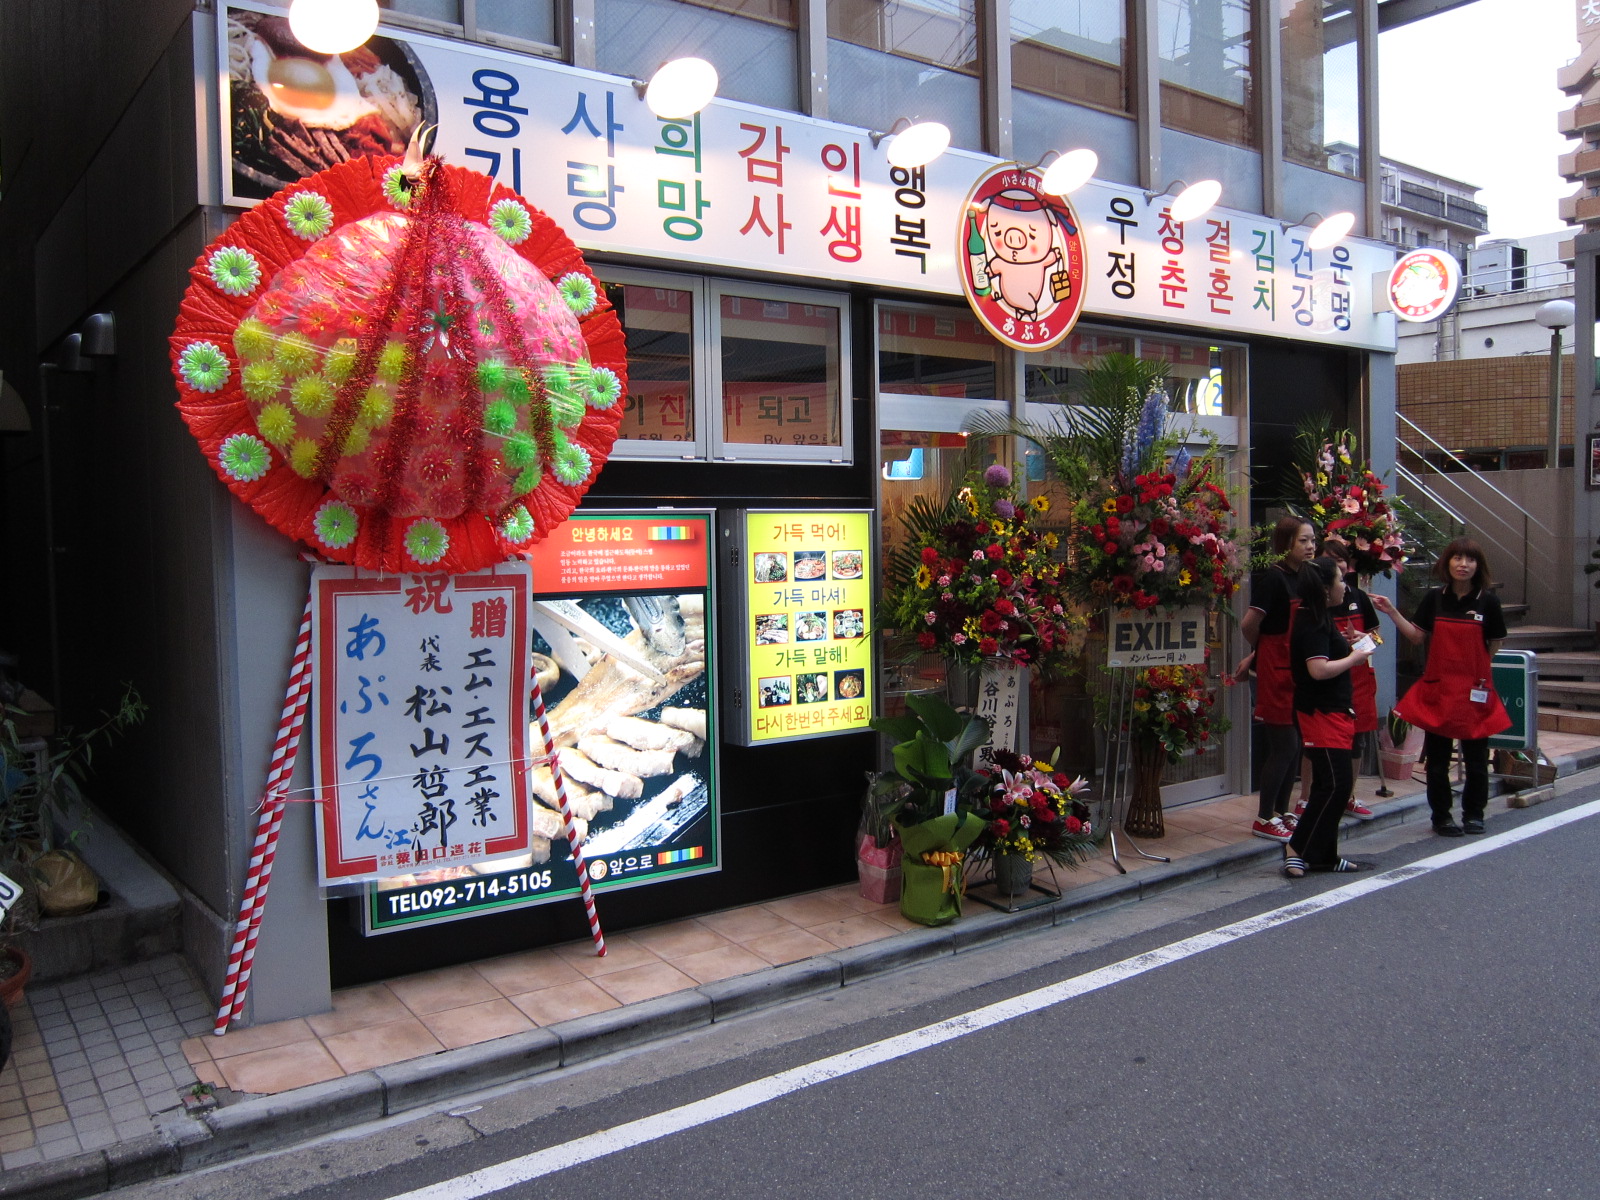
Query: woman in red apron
point(1355, 616)
point(1322, 661)
point(1455, 699)
point(1266, 627)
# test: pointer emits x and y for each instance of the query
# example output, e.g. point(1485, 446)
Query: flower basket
point(931, 886)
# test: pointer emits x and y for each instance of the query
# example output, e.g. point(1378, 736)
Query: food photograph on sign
point(808, 605)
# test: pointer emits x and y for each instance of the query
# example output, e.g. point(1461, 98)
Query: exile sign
point(1146, 639)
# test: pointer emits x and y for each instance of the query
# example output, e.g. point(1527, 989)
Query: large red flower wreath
point(405, 372)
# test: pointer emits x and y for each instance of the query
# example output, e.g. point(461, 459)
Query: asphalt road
point(1432, 1038)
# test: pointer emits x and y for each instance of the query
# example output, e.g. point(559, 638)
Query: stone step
point(1569, 693)
point(1568, 664)
point(1549, 638)
point(1568, 720)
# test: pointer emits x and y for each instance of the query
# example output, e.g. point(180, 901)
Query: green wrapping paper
point(932, 895)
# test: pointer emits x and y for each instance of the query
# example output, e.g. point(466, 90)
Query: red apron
point(1363, 679)
point(1441, 701)
point(1274, 683)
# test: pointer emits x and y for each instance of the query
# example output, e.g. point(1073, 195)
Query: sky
point(1471, 94)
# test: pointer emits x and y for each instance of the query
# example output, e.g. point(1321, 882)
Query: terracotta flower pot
point(11, 986)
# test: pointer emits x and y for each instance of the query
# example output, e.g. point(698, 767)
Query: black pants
point(1282, 744)
point(1474, 793)
point(1316, 839)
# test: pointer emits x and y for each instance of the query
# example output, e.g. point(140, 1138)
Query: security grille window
point(1206, 48)
point(731, 372)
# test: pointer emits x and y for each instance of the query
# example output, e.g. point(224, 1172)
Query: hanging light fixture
point(916, 144)
point(1190, 201)
point(680, 88)
point(1069, 172)
point(333, 26)
point(1329, 230)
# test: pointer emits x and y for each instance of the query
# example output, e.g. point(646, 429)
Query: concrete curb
point(181, 1142)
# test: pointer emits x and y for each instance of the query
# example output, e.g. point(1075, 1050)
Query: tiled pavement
point(96, 1058)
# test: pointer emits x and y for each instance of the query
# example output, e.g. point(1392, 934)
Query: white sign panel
point(757, 189)
point(1153, 638)
point(10, 893)
point(421, 719)
point(1002, 697)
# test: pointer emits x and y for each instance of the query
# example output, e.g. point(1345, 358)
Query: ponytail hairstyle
point(1311, 589)
point(1285, 531)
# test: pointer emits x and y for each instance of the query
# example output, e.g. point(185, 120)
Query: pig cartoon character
point(1020, 228)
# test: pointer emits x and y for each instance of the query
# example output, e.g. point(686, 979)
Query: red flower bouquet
point(1033, 810)
point(1347, 502)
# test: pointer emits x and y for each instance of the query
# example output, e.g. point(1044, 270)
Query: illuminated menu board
point(801, 622)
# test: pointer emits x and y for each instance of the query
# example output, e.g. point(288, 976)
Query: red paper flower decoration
point(402, 372)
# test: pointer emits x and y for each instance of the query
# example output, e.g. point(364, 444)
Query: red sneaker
point(1299, 810)
point(1273, 830)
point(1290, 821)
point(1358, 810)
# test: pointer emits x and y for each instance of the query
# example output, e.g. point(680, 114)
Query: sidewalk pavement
point(94, 1096)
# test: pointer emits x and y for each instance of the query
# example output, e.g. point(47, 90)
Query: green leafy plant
point(932, 743)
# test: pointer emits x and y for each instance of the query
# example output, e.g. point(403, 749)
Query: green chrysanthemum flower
point(303, 458)
point(357, 440)
point(204, 367)
point(520, 450)
point(528, 479)
point(377, 408)
point(336, 524)
point(492, 375)
point(605, 389)
point(261, 381)
point(517, 388)
point(233, 270)
point(485, 327)
point(295, 354)
point(308, 216)
point(561, 393)
point(392, 362)
point(400, 189)
point(572, 461)
point(427, 541)
point(511, 222)
point(276, 424)
point(312, 395)
point(577, 292)
point(244, 457)
point(341, 360)
point(499, 417)
point(253, 340)
point(518, 526)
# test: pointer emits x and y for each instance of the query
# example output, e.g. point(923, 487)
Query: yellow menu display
point(807, 582)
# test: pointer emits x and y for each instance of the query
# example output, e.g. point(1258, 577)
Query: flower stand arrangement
point(1344, 498)
point(1034, 813)
point(1174, 712)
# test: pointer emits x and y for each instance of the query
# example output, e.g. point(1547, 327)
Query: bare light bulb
point(1196, 200)
point(1070, 172)
point(1330, 231)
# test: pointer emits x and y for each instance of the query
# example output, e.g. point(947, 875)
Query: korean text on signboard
point(1153, 638)
point(422, 695)
point(618, 617)
point(808, 608)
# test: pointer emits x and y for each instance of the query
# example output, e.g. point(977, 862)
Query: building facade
point(765, 250)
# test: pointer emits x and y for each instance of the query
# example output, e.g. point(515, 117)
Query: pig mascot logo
point(1022, 259)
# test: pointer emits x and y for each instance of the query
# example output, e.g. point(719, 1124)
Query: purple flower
point(1004, 508)
point(997, 476)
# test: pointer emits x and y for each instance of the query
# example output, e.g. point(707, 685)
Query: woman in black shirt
point(1320, 659)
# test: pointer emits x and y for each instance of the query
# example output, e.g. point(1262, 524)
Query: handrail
point(1434, 498)
point(1401, 417)
point(1409, 476)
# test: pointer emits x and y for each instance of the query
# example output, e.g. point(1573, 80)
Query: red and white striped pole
point(573, 840)
point(285, 750)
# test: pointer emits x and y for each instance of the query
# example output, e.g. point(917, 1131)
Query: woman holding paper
point(1321, 660)
point(1455, 700)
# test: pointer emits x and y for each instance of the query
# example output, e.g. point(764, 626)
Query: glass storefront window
point(895, 58)
point(931, 352)
point(659, 324)
point(1321, 85)
point(781, 363)
point(1071, 50)
point(1206, 50)
point(1199, 375)
point(487, 20)
point(752, 43)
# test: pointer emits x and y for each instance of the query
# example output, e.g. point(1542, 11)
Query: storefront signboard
point(1424, 284)
point(421, 687)
point(753, 188)
point(1156, 637)
point(799, 622)
point(1021, 259)
point(631, 709)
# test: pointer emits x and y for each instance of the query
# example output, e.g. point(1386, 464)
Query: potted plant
point(933, 814)
point(878, 850)
point(1399, 747)
point(1033, 812)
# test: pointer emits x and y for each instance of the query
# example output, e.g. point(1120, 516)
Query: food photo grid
point(813, 627)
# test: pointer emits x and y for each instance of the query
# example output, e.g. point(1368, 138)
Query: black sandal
point(1294, 867)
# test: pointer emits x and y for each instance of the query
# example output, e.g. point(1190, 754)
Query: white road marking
point(760, 1091)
